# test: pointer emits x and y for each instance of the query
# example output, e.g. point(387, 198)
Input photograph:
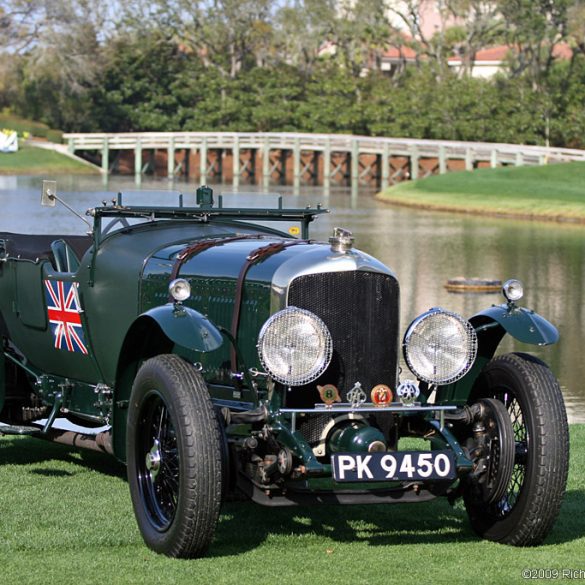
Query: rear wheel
point(174, 458)
point(530, 503)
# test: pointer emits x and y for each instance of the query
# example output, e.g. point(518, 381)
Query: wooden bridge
point(290, 158)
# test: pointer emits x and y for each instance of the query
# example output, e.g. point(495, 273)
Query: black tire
point(174, 458)
point(527, 511)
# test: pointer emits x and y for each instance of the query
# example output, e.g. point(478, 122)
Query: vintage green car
point(224, 356)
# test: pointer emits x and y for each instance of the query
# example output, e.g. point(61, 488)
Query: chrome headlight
point(295, 346)
point(180, 289)
point(440, 346)
point(513, 290)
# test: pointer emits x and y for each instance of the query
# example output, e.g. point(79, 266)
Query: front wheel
point(174, 458)
point(530, 504)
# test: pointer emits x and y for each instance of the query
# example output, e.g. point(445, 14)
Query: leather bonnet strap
point(257, 255)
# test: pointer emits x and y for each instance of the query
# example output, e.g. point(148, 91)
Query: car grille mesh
point(361, 311)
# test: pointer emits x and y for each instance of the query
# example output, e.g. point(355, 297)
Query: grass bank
point(553, 192)
point(30, 127)
point(66, 517)
point(29, 160)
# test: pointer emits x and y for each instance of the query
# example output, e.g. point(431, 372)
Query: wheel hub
point(153, 460)
point(493, 449)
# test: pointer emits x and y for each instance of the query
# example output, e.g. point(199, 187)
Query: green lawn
point(39, 161)
point(66, 518)
point(554, 192)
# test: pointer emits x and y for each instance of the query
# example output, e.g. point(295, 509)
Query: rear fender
point(491, 325)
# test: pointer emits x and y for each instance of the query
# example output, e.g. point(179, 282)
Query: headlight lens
point(180, 289)
point(440, 346)
point(513, 290)
point(295, 346)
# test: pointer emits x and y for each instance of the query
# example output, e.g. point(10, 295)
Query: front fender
point(153, 333)
point(186, 327)
point(491, 325)
point(523, 324)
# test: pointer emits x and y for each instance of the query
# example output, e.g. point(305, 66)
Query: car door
point(48, 323)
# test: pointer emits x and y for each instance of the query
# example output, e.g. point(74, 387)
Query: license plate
point(395, 466)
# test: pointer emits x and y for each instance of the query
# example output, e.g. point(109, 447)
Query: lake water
point(423, 248)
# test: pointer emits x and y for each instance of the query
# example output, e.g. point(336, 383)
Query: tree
point(58, 47)
point(146, 83)
point(533, 28)
point(479, 25)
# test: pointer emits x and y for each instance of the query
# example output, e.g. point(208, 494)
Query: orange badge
point(381, 395)
point(329, 394)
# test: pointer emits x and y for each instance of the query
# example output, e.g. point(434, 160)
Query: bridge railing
point(357, 149)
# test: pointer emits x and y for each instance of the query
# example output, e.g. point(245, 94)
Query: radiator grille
point(361, 311)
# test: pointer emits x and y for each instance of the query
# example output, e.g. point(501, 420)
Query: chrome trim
point(368, 407)
point(316, 259)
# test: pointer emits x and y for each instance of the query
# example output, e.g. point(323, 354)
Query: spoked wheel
point(174, 458)
point(158, 471)
point(530, 502)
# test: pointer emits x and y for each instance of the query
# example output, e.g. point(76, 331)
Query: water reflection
point(423, 248)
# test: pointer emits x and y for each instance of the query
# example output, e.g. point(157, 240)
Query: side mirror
point(49, 198)
point(49, 194)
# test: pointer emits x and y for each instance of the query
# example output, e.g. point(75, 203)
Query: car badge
point(329, 394)
point(408, 392)
point(381, 395)
point(356, 396)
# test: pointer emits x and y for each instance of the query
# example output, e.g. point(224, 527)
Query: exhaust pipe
point(101, 442)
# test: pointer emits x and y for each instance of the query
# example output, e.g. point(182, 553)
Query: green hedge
point(35, 129)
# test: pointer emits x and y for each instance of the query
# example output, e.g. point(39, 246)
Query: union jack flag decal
point(64, 310)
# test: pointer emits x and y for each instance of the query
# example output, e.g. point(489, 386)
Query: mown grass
point(554, 192)
point(29, 160)
point(66, 517)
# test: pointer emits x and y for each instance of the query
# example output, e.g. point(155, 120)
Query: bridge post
point(494, 159)
point(519, 159)
point(442, 160)
point(468, 159)
point(327, 163)
point(385, 166)
point(203, 160)
point(236, 161)
point(414, 156)
point(171, 158)
point(105, 156)
point(71, 145)
point(297, 163)
point(266, 162)
point(138, 158)
point(186, 164)
point(355, 161)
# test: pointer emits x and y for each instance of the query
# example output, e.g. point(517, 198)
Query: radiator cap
point(341, 240)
